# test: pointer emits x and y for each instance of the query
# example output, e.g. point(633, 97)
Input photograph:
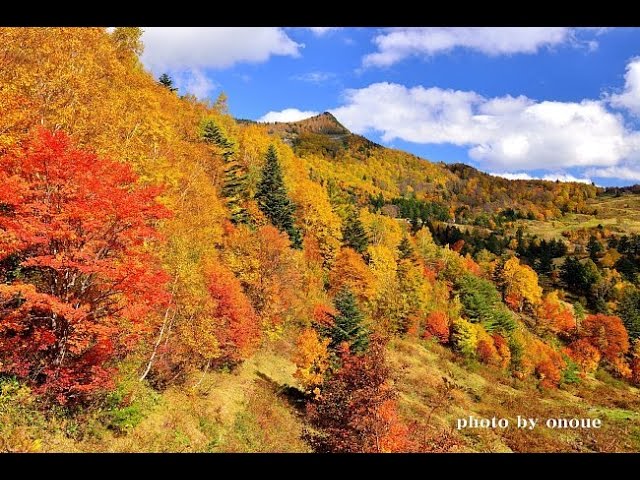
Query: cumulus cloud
point(287, 115)
point(621, 172)
point(629, 99)
point(552, 177)
point(181, 48)
point(320, 31)
point(502, 132)
point(396, 44)
point(194, 82)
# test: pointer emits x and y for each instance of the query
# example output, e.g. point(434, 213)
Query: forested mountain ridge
point(174, 280)
point(468, 192)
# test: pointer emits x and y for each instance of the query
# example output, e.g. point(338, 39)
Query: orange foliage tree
point(81, 282)
point(437, 325)
point(544, 361)
point(607, 335)
point(502, 348)
point(268, 270)
point(555, 315)
point(350, 271)
point(585, 355)
point(487, 352)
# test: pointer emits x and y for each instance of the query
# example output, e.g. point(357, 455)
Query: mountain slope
point(246, 354)
point(363, 165)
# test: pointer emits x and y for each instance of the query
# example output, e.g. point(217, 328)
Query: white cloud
point(287, 115)
point(551, 177)
point(320, 31)
point(621, 172)
point(566, 177)
point(396, 44)
point(315, 77)
point(194, 82)
point(630, 97)
point(513, 176)
point(181, 48)
point(502, 132)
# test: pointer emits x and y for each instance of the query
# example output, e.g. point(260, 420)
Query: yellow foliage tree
point(381, 230)
point(519, 285)
point(312, 360)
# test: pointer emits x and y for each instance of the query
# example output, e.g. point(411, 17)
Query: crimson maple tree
point(81, 284)
point(238, 328)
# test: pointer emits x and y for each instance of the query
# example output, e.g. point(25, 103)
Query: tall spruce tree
point(629, 311)
point(353, 233)
point(405, 250)
point(348, 324)
point(166, 81)
point(273, 200)
point(234, 186)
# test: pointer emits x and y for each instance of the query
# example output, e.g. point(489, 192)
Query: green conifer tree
point(629, 311)
point(166, 81)
point(348, 324)
point(405, 250)
point(273, 200)
point(234, 185)
point(353, 233)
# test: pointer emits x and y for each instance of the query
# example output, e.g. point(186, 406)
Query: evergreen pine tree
point(594, 247)
point(166, 81)
point(348, 324)
point(629, 311)
point(545, 263)
point(377, 202)
point(353, 233)
point(405, 250)
point(234, 182)
point(273, 200)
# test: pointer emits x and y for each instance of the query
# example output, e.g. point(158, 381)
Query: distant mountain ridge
point(368, 168)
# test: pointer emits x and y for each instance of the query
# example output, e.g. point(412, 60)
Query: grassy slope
point(248, 410)
point(478, 391)
point(619, 213)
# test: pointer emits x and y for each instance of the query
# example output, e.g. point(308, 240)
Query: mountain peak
point(324, 123)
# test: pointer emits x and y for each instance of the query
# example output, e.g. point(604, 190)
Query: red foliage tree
point(437, 325)
point(471, 266)
point(487, 352)
point(80, 282)
point(584, 354)
point(357, 410)
point(323, 315)
point(457, 246)
point(556, 316)
point(502, 348)
point(429, 274)
point(607, 334)
point(237, 327)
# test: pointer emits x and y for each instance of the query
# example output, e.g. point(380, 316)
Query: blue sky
point(519, 102)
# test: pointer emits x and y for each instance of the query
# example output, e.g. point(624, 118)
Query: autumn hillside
point(173, 279)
